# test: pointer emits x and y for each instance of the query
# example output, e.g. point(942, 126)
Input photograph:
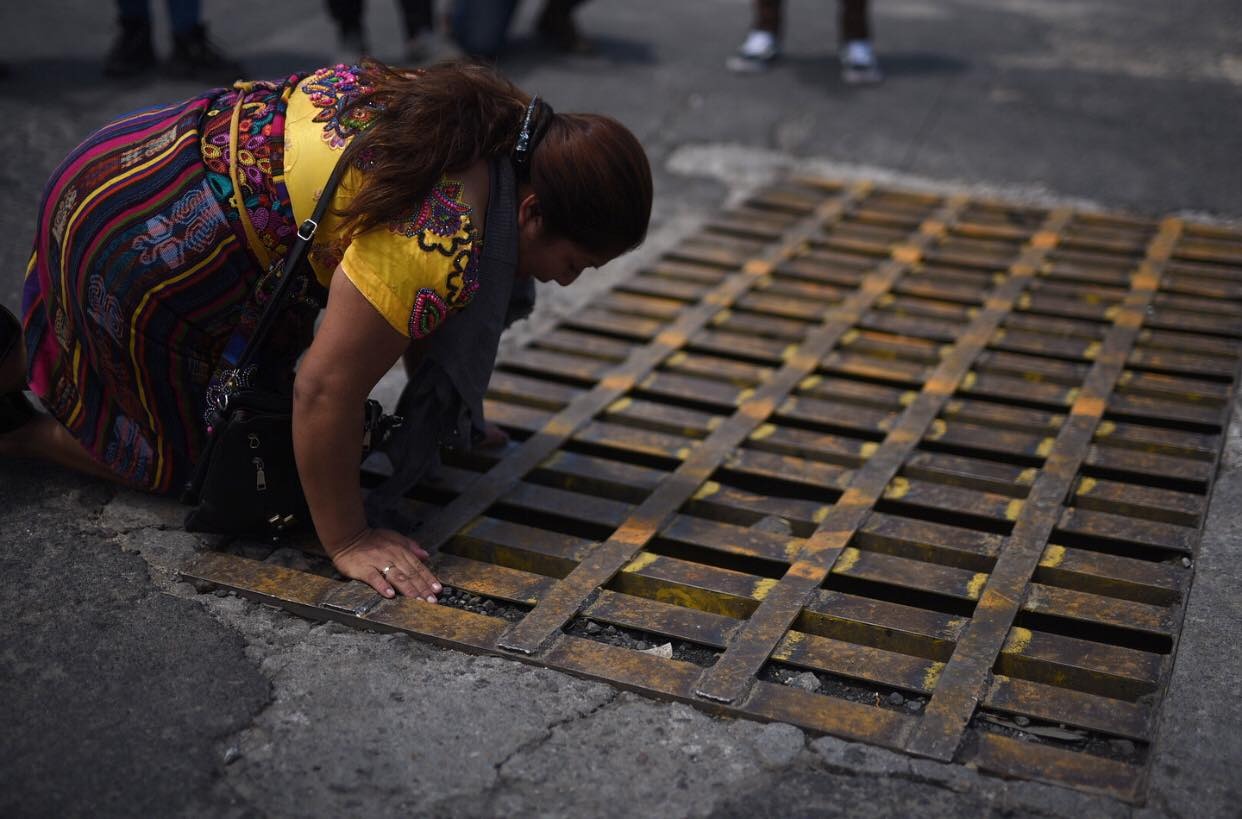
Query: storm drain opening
point(919, 470)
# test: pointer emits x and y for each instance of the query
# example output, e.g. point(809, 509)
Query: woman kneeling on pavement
point(154, 235)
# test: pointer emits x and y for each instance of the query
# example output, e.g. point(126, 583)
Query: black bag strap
point(293, 260)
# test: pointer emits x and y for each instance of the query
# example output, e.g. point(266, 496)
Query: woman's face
point(546, 257)
point(555, 259)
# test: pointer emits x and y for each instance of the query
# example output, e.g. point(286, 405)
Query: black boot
point(556, 24)
point(131, 51)
point(195, 56)
point(15, 409)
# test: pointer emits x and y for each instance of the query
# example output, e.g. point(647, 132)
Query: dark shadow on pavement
point(36, 79)
point(527, 51)
point(826, 69)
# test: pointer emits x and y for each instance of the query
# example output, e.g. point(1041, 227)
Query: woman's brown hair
point(589, 172)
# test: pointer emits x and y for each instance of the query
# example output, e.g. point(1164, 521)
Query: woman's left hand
point(385, 559)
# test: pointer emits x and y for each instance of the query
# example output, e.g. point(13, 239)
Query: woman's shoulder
point(419, 269)
point(323, 98)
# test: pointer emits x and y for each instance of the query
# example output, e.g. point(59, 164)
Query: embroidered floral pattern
point(429, 312)
point(442, 226)
point(332, 90)
point(463, 279)
point(442, 213)
point(260, 154)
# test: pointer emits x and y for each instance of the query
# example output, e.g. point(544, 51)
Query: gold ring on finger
point(384, 571)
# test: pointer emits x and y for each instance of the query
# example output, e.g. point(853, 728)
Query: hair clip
point(522, 148)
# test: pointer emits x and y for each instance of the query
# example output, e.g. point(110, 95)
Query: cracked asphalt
point(124, 692)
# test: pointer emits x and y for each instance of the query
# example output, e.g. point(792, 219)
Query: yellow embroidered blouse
point(415, 271)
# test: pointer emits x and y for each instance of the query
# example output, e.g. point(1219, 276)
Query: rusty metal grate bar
point(949, 456)
point(940, 730)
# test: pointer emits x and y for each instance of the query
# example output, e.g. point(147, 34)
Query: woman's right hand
point(372, 551)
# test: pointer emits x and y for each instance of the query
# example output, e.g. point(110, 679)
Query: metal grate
point(950, 456)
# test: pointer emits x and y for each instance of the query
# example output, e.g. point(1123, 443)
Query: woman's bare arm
point(353, 348)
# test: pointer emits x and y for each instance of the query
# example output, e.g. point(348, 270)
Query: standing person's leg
point(131, 51)
point(480, 27)
point(858, 62)
point(416, 16)
point(194, 54)
point(350, 36)
point(417, 19)
point(556, 23)
point(762, 43)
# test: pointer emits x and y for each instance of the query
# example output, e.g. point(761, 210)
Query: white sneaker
point(858, 63)
point(755, 53)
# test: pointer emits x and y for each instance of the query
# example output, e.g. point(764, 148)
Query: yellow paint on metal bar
point(810, 382)
point(968, 380)
point(846, 560)
point(799, 360)
point(762, 586)
point(762, 432)
point(1027, 476)
point(897, 489)
point(1086, 485)
point(708, 489)
point(907, 254)
point(744, 396)
point(671, 338)
point(975, 587)
point(683, 453)
point(849, 336)
point(868, 449)
point(821, 514)
point(1017, 641)
point(757, 409)
point(757, 267)
point(558, 428)
point(617, 382)
point(1013, 509)
point(932, 676)
point(1089, 406)
point(621, 404)
point(641, 562)
point(1053, 556)
point(675, 360)
point(907, 398)
point(1045, 240)
point(1045, 446)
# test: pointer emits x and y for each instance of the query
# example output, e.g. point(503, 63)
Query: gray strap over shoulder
point(442, 405)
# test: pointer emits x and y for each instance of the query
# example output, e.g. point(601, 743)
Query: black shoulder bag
point(246, 480)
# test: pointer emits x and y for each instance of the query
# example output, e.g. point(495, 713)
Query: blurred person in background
point(193, 55)
point(762, 44)
point(417, 20)
point(481, 27)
